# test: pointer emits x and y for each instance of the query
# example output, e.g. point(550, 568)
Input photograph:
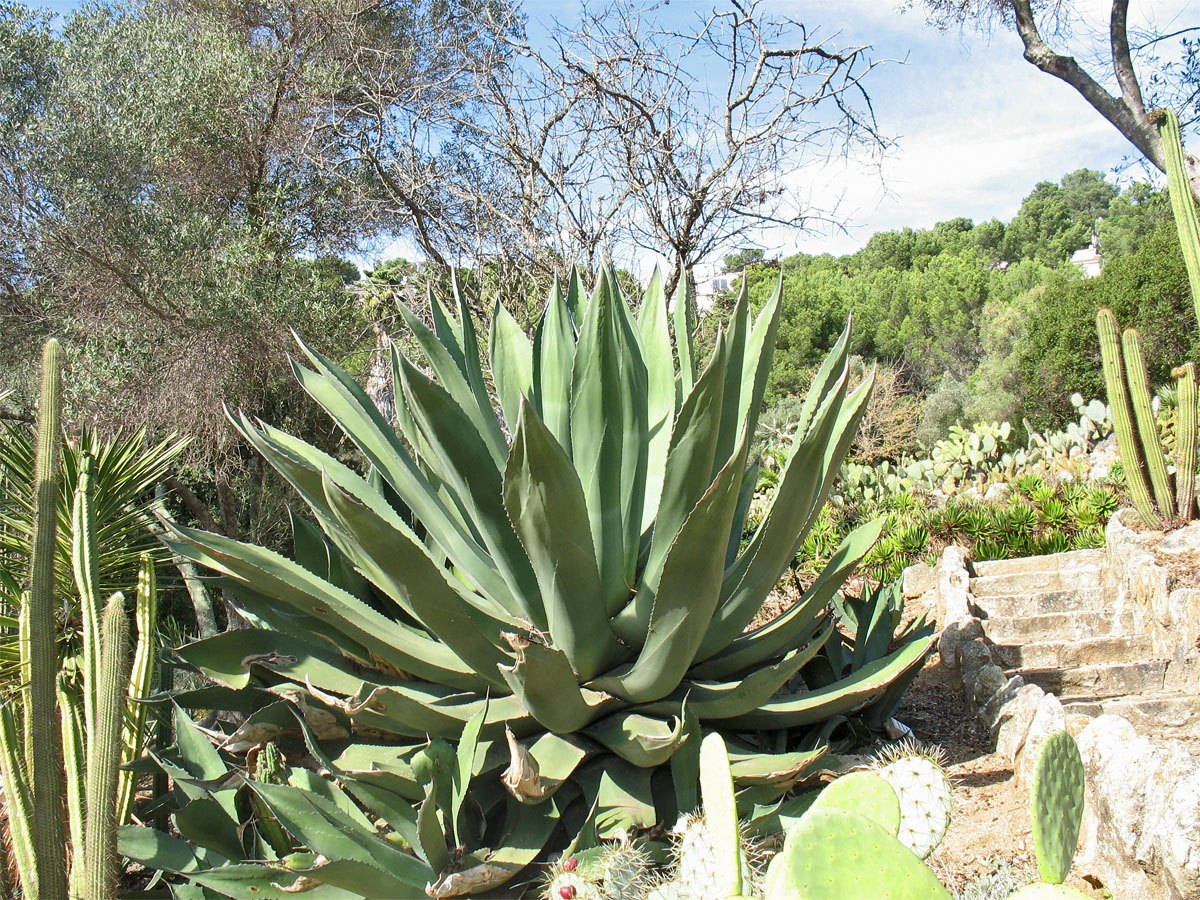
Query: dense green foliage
point(991, 322)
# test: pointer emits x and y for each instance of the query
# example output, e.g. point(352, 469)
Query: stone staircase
point(1048, 620)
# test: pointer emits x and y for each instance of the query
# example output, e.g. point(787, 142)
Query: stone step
point(1099, 681)
point(1165, 715)
point(1071, 578)
point(1073, 559)
point(1041, 602)
point(1067, 654)
point(1056, 626)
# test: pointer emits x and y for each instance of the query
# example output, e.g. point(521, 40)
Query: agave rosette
point(562, 558)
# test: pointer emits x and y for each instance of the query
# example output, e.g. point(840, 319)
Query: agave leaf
point(687, 593)
point(431, 836)
point(752, 767)
point(229, 658)
point(608, 420)
point(724, 700)
point(466, 757)
point(824, 381)
point(795, 507)
point(348, 405)
point(756, 365)
point(786, 630)
point(576, 298)
point(452, 377)
point(163, 851)
point(690, 459)
point(329, 831)
point(307, 468)
point(660, 390)
point(545, 502)
point(207, 824)
point(849, 693)
point(470, 345)
point(464, 464)
point(400, 645)
point(645, 741)
point(553, 360)
point(512, 363)
point(623, 795)
point(391, 556)
point(685, 763)
point(736, 334)
point(416, 709)
point(543, 680)
point(446, 326)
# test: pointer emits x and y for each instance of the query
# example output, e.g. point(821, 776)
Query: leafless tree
point(619, 132)
point(1117, 95)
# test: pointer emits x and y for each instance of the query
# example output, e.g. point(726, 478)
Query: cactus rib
point(1187, 222)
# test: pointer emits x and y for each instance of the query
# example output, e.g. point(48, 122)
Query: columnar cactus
point(1184, 208)
point(1185, 440)
point(1122, 361)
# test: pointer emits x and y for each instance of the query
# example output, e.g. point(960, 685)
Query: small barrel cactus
point(615, 871)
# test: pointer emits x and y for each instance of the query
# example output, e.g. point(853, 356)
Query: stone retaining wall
point(1141, 828)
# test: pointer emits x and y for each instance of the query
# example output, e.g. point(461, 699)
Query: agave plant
point(555, 570)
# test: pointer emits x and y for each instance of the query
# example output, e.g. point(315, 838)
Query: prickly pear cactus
point(612, 872)
point(1056, 802)
point(835, 854)
point(866, 794)
point(917, 775)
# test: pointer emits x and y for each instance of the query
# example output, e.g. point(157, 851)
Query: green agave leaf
point(795, 507)
point(467, 759)
point(415, 709)
point(207, 824)
point(732, 424)
point(512, 363)
point(542, 678)
point(690, 459)
point(307, 469)
point(682, 323)
point(431, 835)
point(545, 502)
point(723, 700)
point(756, 364)
point(826, 380)
point(842, 696)
point(465, 466)
point(608, 419)
point(553, 361)
point(622, 793)
point(687, 594)
point(329, 831)
point(660, 390)
point(470, 345)
point(400, 645)
point(793, 625)
point(163, 851)
point(450, 375)
point(644, 741)
point(348, 405)
point(230, 658)
point(393, 558)
point(751, 767)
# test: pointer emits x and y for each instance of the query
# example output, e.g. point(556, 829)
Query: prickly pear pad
point(1056, 801)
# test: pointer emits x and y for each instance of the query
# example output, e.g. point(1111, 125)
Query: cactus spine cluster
point(61, 740)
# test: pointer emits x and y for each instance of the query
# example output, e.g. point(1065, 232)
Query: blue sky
point(975, 125)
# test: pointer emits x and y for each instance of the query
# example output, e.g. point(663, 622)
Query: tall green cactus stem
point(1185, 441)
point(1147, 427)
point(141, 679)
point(104, 753)
point(1056, 802)
point(1122, 412)
point(1187, 222)
point(84, 565)
point(18, 797)
point(70, 705)
point(41, 719)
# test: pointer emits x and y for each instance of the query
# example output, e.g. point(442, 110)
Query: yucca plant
point(564, 558)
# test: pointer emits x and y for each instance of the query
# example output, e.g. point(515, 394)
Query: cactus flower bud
point(567, 892)
point(570, 864)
